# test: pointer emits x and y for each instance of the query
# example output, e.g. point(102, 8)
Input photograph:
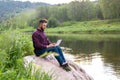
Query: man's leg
point(61, 53)
point(65, 64)
point(59, 57)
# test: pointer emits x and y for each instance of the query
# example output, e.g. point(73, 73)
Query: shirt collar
point(40, 30)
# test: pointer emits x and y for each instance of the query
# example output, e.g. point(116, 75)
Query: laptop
point(58, 42)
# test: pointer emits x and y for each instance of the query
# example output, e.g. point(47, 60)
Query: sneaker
point(66, 67)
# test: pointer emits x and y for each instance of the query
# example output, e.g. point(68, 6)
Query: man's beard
point(42, 29)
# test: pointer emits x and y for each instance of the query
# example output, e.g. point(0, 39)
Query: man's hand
point(51, 45)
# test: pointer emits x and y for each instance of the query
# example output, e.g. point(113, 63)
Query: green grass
point(28, 29)
point(13, 47)
point(92, 37)
point(98, 26)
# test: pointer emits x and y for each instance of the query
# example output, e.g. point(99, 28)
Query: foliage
point(110, 8)
point(23, 73)
point(18, 22)
point(13, 47)
point(82, 10)
point(52, 22)
point(98, 26)
point(10, 7)
point(74, 11)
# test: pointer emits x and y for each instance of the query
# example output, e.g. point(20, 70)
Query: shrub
point(13, 46)
point(52, 22)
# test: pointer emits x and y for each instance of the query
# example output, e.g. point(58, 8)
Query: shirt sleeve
point(48, 41)
point(37, 44)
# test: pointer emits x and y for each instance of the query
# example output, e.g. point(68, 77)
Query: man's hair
point(43, 21)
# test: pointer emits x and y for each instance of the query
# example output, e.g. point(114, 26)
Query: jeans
point(60, 58)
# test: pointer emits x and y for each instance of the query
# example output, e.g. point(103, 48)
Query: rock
point(51, 66)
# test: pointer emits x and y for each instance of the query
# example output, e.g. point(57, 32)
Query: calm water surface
point(101, 59)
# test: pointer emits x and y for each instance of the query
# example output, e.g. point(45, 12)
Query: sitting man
point(42, 44)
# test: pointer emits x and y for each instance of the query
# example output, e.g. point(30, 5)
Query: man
point(42, 44)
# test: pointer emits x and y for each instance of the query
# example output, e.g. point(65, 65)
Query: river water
point(100, 59)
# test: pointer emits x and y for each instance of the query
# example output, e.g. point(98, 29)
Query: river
point(99, 58)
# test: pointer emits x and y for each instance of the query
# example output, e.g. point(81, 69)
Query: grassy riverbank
point(89, 37)
point(98, 26)
point(85, 27)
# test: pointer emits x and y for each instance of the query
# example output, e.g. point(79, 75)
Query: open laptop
point(58, 42)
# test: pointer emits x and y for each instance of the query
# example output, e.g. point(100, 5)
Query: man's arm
point(48, 41)
point(51, 45)
point(37, 43)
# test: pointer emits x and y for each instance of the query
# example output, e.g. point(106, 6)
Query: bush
point(13, 47)
point(68, 23)
point(52, 22)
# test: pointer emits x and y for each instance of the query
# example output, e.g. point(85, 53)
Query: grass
point(98, 26)
point(28, 29)
point(92, 37)
point(89, 27)
point(13, 47)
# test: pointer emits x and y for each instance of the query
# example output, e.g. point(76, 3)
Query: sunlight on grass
point(100, 26)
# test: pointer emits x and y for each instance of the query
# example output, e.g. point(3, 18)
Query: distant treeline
point(9, 8)
point(81, 10)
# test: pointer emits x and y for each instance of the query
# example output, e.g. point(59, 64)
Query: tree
point(52, 22)
point(43, 12)
point(110, 8)
point(62, 14)
point(81, 10)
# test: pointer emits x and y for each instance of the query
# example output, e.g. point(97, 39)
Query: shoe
point(66, 67)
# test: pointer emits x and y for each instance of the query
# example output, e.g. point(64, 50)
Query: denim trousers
point(60, 58)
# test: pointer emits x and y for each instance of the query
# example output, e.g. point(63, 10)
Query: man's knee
point(58, 47)
point(54, 49)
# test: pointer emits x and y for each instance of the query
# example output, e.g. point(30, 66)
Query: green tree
point(110, 8)
point(43, 12)
point(62, 13)
point(81, 10)
point(52, 22)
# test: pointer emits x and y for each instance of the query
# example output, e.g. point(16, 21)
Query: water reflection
point(101, 59)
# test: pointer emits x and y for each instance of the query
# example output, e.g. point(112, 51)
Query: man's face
point(43, 25)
